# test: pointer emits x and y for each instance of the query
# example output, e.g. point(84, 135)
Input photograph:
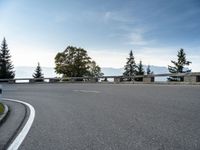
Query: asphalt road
point(108, 116)
point(15, 120)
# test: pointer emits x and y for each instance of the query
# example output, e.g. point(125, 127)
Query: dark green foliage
point(140, 71)
point(75, 62)
point(179, 66)
point(38, 73)
point(94, 70)
point(6, 67)
point(130, 67)
point(149, 70)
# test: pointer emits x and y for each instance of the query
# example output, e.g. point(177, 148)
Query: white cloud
point(119, 17)
point(132, 35)
point(137, 38)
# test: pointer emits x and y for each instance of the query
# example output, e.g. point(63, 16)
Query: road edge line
point(21, 136)
point(4, 115)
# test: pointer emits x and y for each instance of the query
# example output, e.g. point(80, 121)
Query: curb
point(15, 143)
point(5, 113)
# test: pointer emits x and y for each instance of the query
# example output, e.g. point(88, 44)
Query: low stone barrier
point(148, 79)
point(193, 78)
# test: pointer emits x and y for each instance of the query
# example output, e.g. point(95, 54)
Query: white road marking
point(21, 136)
point(86, 91)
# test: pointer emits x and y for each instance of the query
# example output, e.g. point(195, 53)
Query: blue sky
point(108, 29)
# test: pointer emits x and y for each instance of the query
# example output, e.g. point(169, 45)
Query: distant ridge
point(119, 71)
point(26, 72)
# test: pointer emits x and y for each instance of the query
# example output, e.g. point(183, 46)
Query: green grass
point(1, 108)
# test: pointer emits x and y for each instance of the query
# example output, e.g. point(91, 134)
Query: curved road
point(108, 116)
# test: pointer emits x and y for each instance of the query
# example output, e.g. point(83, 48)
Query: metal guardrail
point(193, 77)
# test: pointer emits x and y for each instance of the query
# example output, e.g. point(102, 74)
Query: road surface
point(110, 116)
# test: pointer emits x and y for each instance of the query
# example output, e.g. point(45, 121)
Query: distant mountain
point(112, 71)
point(26, 72)
point(119, 71)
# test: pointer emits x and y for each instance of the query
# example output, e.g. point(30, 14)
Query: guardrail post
point(31, 81)
point(192, 78)
point(93, 80)
point(148, 79)
point(53, 80)
point(117, 79)
point(11, 81)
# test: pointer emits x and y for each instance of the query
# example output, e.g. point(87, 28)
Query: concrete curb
point(4, 115)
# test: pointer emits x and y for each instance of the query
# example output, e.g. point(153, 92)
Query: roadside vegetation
point(1, 108)
point(38, 75)
point(178, 66)
point(132, 68)
point(6, 67)
point(75, 62)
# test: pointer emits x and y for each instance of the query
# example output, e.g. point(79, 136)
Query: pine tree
point(6, 67)
point(130, 67)
point(140, 71)
point(38, 73)
point(179, 66)
point(149, 70)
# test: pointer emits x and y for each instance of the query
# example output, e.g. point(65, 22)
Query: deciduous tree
point(75, 62)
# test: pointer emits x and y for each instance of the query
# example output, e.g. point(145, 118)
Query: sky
point(108, 29)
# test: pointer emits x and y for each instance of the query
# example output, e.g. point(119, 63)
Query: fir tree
point(130, 67)
point(149, 70)
point(179, 66)
point(6, 67)
point(140, 71)
point(38, 72)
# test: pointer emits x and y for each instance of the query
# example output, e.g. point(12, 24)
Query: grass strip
point(1, 108)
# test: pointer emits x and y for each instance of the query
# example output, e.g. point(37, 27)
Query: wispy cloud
point(127, 28)
point(137, 38)
point(119, 17)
